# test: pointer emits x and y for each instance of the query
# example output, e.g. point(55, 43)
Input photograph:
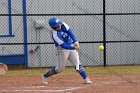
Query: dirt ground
point(71, 84)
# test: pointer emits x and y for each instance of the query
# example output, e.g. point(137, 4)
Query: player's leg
point(61, 59)
point(74, 58)
point(83, 73)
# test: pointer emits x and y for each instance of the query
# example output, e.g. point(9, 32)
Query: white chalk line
point(47, 90)
point(43, 87)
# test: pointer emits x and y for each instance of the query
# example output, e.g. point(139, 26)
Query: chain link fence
point(115, 25)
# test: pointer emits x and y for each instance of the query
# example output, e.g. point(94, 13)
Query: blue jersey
point(64, 37)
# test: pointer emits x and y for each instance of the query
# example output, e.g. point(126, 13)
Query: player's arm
point(58, 40)
point(65, 46)
point(76, 43)
point(69, 31)
point(72, 35)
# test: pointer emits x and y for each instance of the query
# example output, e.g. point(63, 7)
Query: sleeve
point(72, 35)
point(57, 38)
point(60, 42)
point(70, 32)
point(65, 46)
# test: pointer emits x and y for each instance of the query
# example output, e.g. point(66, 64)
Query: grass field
point(109, 70)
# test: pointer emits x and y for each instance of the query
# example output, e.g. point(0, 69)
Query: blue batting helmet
point(54, 22)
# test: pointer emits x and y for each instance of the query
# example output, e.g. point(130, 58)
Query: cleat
point(87, 81)
point(44, 80)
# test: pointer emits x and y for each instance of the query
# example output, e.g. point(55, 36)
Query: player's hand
point(77, 49)
point(77, 46)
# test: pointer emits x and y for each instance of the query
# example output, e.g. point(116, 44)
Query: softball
point(101, 48)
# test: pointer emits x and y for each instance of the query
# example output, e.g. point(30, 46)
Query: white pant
point(63, 55)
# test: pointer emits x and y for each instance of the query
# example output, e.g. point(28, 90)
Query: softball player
point(67, 48)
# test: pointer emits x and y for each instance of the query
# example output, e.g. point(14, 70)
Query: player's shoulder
point(65, 26)
point(54, 33)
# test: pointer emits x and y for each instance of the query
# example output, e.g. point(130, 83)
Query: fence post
point(25, 34)
point(104, 33)
point(10, 17)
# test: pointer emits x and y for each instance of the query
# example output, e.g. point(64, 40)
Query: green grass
point(109, 70)
point(116, 70)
